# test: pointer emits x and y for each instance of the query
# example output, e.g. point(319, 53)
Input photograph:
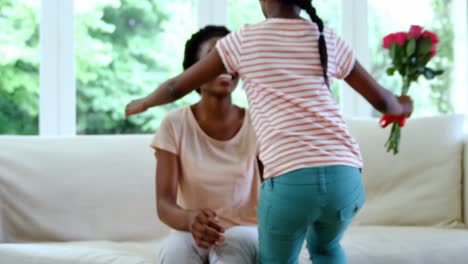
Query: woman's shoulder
point(174, 121)
point(178, 116)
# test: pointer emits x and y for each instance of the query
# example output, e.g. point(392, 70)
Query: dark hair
point(192, 47)
point(307, 6)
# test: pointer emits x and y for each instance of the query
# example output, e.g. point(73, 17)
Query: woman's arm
point(381, 99)
point(202, 224)
point(208, 68)
point(260, 169)
point(167, 182)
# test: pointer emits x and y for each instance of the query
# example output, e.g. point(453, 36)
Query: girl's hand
point(135, 107)
point(406, 104)
point(205, 228)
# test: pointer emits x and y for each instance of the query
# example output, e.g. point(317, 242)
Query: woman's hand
point(205, 228)
point(136, 107)
point(406, 104)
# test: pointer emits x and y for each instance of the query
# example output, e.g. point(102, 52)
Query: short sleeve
point(229, 49)
point(165, 138)
point(345, 58)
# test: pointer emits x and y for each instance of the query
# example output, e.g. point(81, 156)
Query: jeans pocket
point(348, 212)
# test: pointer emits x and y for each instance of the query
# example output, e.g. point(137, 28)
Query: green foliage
point(134, 45)
point(440, 94)
point(19, 66)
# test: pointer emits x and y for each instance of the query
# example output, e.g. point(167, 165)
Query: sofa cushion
point(100, 252)
point(78, 188)
point(422, 185)
point(364, 245)
point(406, 245)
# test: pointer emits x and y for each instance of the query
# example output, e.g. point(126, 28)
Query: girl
point(208, 151)
point(312, 164)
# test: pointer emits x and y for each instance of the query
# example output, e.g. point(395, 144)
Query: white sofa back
point(79, 188)
point(422, 185)
point(102, 187)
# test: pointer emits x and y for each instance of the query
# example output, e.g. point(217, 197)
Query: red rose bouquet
point(410, 53)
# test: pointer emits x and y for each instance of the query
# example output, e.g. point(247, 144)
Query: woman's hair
point(307, 6)
point(192, 47)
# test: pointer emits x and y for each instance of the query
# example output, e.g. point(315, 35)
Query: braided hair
point(307, 6)
point(192, 47)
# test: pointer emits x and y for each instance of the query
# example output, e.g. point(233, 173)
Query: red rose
point(415, 31)
point(432, 35)
point(401, 38)
point(388, 40)
point(433, 51)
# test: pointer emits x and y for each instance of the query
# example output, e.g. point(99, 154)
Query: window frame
point(57, 85)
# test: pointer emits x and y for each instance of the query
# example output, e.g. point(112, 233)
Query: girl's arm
point(202, 223)
point(207, 69)
point(381, 99)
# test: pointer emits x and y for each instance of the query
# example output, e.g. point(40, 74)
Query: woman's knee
point(179, 248)
point(240, 246)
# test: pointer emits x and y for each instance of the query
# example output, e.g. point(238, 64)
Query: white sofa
point(91, 199)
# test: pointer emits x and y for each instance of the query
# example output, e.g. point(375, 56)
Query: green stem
point(393, 142)
point(406, 85)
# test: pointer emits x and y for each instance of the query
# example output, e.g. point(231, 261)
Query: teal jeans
point(312, 204)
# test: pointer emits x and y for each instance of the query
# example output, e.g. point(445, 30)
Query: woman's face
point(225, 84)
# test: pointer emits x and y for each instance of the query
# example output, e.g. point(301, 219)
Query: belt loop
point(323, 184)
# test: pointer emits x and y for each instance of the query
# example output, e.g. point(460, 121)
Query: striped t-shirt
point(297, 121)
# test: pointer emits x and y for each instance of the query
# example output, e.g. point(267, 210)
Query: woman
point(207, 157)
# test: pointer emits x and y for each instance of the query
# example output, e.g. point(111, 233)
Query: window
point(241, 12)
point(386, 17)
point(113, 51)
point(19, 67)
point(124, 49)
point(330, 12)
